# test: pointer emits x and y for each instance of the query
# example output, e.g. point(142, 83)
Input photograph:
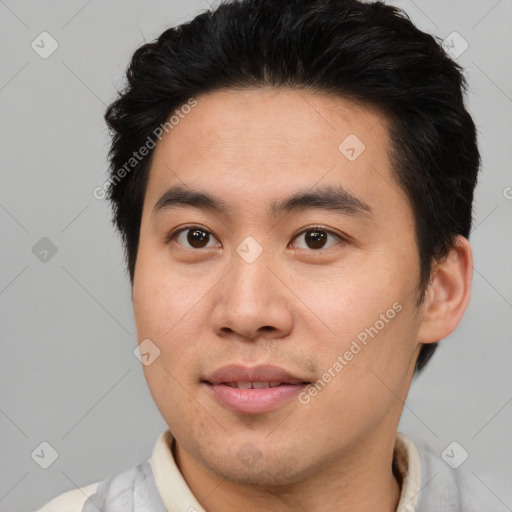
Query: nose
point(252, 301)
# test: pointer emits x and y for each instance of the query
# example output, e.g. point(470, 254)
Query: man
point(293, 182)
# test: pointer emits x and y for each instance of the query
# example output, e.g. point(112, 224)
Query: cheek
point(169, 312)
point(352, 298)
point(373, 326)
point(163, 298)
point(365, 381)
point(173, 393)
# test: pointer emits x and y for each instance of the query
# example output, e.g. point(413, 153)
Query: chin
point(277, 470)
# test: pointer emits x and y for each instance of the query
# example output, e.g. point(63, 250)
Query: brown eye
point(315, 238)
point(193, 238)
point(197, 238)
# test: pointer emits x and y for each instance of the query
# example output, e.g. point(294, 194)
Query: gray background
point(67, 369)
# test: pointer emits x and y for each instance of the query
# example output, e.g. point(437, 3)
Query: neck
point(361, 480)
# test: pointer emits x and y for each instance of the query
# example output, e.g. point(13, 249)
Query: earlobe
point(448, 294)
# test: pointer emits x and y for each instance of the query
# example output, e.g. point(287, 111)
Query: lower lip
point(254, 401)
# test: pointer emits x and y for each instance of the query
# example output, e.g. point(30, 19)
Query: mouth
point(255, 384)
point(254, 390)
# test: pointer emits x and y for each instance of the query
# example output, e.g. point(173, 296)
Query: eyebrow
point(326, 198)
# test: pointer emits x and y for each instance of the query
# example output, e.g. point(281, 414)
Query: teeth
point(261, 385)
point(252, 385)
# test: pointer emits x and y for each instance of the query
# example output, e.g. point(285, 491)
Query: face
point(283, 303)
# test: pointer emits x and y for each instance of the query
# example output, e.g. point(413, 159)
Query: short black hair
point(370, 53)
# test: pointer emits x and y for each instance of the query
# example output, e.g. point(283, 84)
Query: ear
point(448, 293)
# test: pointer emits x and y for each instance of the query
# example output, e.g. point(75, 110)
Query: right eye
point(195, 236)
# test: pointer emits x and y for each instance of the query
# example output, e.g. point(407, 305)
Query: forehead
point(282, 118)
point(253, 145)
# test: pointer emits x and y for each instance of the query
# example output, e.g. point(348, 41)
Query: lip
point(259, 373)
point(253, 401)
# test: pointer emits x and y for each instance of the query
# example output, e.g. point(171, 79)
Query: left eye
point(316, 238)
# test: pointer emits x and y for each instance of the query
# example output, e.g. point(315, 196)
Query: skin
point(295, 306)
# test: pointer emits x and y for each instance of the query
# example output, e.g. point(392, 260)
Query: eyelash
point(177, 232)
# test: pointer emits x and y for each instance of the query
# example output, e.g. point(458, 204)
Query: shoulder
point(447, 483)
point(70, 501)
point(132, 489)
